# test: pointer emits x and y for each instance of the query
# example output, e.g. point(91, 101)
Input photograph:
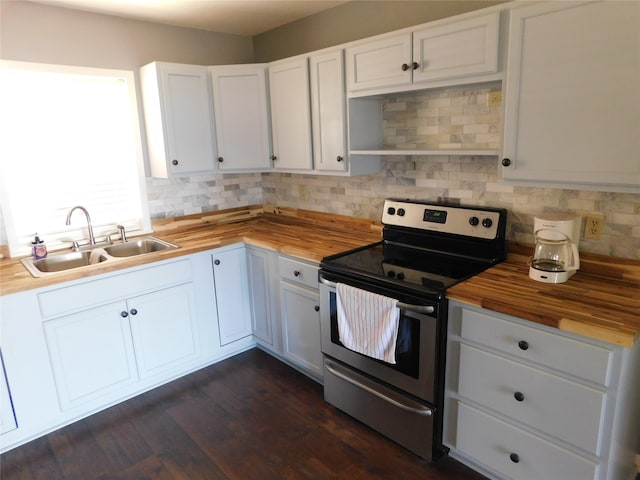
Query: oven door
point(415, 371)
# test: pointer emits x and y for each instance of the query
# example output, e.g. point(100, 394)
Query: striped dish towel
point(367, 322)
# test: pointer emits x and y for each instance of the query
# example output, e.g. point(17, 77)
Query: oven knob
point(474, 221)
point(401, 212)
point(400, 276)
point(487, 222)
point(391, 210)
point(391, 274)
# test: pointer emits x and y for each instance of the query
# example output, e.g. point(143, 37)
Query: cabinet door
point(260, 293)
point(328, 111)
point(291, 115)
point(380, 63)
point(232, 295)
point(91, 353)
point(459, 49)
point(572, 104)
point(163, 329)
point(300, 313)
point(7, 416)
point(241, 117)
point(178, 118)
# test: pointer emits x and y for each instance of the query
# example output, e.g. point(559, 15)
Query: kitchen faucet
point(92, 239)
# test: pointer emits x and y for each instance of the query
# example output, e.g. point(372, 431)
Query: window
point(69, 136)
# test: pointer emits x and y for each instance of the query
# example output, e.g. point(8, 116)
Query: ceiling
point(240, 17)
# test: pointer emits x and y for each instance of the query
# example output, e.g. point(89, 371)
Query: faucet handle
point(75, 246)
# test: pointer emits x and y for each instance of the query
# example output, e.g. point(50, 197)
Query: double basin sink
point(66, 261)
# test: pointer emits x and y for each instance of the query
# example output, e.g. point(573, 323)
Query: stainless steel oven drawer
point(381, 408)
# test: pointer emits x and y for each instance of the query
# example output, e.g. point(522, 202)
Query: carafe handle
point(576, 258)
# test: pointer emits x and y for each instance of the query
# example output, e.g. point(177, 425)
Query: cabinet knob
point(296, 273)
point(174, 162)
point(405, 67)
point(133, 311)
point(339, 158)
point(220, 159)
point(216, 262)
point(124, 314)
point(506, 162)
point(274, 158)
point(514, 457)
point(523, 345)
point(317, 308)
point(415, 65)
point(519, 396)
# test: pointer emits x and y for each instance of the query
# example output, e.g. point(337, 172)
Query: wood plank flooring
point(248, 417)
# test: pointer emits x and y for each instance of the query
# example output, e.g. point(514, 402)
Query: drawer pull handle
point(523, 345)
point(124, 314)
point(316, 308)
point(296, 273)
point(518, 396)
point(514, 457)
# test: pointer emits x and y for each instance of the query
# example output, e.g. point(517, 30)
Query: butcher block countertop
point(300, 233)
point(601, 301)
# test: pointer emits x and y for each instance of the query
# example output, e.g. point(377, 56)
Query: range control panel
point(470, 221)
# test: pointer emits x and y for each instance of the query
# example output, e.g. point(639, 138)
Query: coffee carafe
point(555, 257)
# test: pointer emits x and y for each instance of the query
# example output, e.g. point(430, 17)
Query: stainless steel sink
point(138, 246)
point(60, 262)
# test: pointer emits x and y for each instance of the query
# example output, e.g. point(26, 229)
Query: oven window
point(407, 344)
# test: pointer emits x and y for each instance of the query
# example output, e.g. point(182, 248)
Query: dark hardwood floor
point(248, 417)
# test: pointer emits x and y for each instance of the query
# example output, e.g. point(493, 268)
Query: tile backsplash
point(473, 180)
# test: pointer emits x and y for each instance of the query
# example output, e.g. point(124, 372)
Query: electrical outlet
point(593, 226)
point(494, 99)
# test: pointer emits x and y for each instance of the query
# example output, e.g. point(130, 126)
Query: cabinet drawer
point(104, 290)
point(515, 453)
point(574, 357)
point(298, 272)
point(536, 398)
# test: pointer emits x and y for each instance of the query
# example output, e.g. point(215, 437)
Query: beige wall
point(40, 33)
point(355, 20)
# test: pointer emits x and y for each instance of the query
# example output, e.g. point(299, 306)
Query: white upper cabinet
point(178, 119)
point(380, 63)
point(460, 49)
point(241, 117)
point(572, 103)
point(328, 110)
point(438, 51)
point(291, 114)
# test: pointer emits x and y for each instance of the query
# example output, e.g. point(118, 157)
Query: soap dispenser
point(39, 248)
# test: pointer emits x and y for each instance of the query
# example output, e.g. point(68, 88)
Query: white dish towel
point(367, 322)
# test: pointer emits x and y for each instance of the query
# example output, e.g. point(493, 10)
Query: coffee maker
point(555, 257)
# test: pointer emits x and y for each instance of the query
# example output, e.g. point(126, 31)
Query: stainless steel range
point(398, 286)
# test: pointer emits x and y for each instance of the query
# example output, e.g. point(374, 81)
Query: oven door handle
point(417, 409)
point(401, 305)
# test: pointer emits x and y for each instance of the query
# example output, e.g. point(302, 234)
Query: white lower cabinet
point(98, 352)
point(528, 401)
point(300, 315)
point(232, 294)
